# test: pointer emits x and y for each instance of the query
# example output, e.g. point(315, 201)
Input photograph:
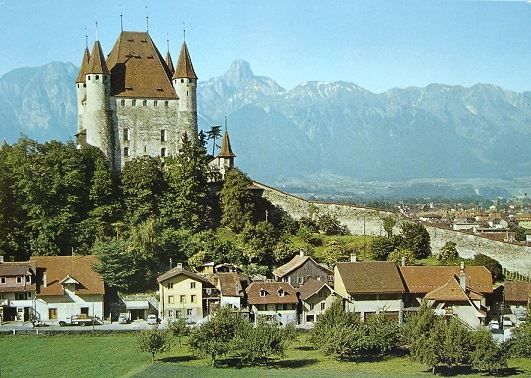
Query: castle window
point(166, 103)
point(97, 77)
point(182, 80)
point(155, 103)
point(133, 103)
point(126, 151)
point(126, 135)
point(163, 136)
point(144, 103)
point(84, 85)
point(187, 93)
point(145, 149)
point(163, 152)
point(122, 102)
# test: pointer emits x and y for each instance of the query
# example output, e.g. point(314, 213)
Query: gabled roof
point(311, 287)
point(84, 67)
point(97, 64)
point(295, 263)
point(370, 277)
point(178, 270)
point(271, 290)
point(169, 63)
point(59, 267)
point(184, 68)
point(230, 285)
point(423, 279)
point(137, 68)
point(519, 291)
point(11, 269)
point(450, 291)
point(226, 150)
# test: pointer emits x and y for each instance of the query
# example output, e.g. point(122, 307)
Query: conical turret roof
point(97, 61)
point(226, 150)
point(84, 67)
point(184, 68)
point(169, 63)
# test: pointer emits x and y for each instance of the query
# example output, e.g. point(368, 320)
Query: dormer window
point(263, 293)
point(19, 279)
point(281, 293)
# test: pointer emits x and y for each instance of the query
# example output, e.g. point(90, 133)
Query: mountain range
point(333, 129)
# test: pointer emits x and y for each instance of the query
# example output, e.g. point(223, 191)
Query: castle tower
point(81, 93)
point(169, 63)
point(185, 84)
point(97, 120)
point(225, 156)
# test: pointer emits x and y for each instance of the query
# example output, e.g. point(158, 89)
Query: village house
point(184, 294)
point(232, 287)
point(517, 298)
point(17, 291)
point(315, 298)
point(450, 290)
point(371, 287)
point(300, 268)
point(273, 301)
point(67, 286)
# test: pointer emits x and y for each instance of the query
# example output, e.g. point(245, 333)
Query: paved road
point(28, 327)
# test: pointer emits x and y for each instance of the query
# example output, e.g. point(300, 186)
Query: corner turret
point(185, 84)
point(81, 93)
point(225, 158)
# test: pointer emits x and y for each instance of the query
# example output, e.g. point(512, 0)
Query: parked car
point(123, 318)
point(507, 322)
point(80, 320)
point(152, 319)
point(494, 324)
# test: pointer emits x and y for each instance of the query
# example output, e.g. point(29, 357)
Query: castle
point(135, 103)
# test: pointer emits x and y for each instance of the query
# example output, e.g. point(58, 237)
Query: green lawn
point(117, 355)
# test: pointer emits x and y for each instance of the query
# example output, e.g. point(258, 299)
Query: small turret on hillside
point(225, 159)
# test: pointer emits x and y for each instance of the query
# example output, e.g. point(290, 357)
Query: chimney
point(301, 253)
point(44, 279)
point(171, 263)
point(1, 259)
point(403, 260)
point(353, 257)
point(179, 265)
point(462, 276)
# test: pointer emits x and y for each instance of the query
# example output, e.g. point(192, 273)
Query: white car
point(494, 324)
point(507, 322)
point(152, 319)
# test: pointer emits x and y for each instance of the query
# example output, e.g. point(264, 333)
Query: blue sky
point(375, 44)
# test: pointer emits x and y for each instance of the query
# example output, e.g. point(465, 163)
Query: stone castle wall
point(359, 219)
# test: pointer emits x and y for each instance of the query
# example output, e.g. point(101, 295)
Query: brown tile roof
point(177, 270)
point(296, 262)
point(58, 267)
point(169, 63)
point(517, 291)
point(423, 279)
point(230, 284)
point(368, 277)
point(271, 293)
point(226, 150)
point(311, 287)
point(11, 269)
point(450, 291)
point(17, 288)
point(137, 68)
point(84, 67)
point(97, 63)
point(184, 68)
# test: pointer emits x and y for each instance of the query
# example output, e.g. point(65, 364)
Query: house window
point(192, 285)
point(284, 279)
point(3, 280)
point(170, 313)
point(189, 312)
point(122, 102)
point(163, 151)
point(52, 313)
point(330, 278)
point(262, 293)
point(155, 103)
point(310, 318)
point(300, 280)
point(133, 103)
point(166, 103)
point(163, 136)
point(28, 279)
point(19, 279)
point(322, 294)
point(126, 135)
point(183, 299)
point(281, 293)
point(29, 295)
point(323, 305)
point(311, 306)
point(171, 300)
point(126, 151)
point(170, 285)
point(193, 298)
point(144, 103)
point(178, 313)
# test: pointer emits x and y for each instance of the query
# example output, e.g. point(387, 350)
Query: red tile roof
point(295, 263)
point(518, 291)
point(184, 68)
point(311, 287)
point(178, 270)
point(84, 67)
point(272, 291)
point(370, 277)
point(230, 284)
point(59, 267)
point(97, 63)
point(226, 150)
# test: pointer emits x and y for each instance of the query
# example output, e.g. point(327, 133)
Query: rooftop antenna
point(147, 19)
point(96, 30)
point(122, 22)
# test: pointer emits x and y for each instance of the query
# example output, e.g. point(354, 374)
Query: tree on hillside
point(236, 200)
point(520, 234)
point(330, 225)
point(142, 184)
point(381, 247)
point(214, 338)
point(213, 134)
point(403, 253)
point(416, 239)
point(261, 240)
point(185, 202)
point(448, 252)
point(491, 264)
point(388, 223)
